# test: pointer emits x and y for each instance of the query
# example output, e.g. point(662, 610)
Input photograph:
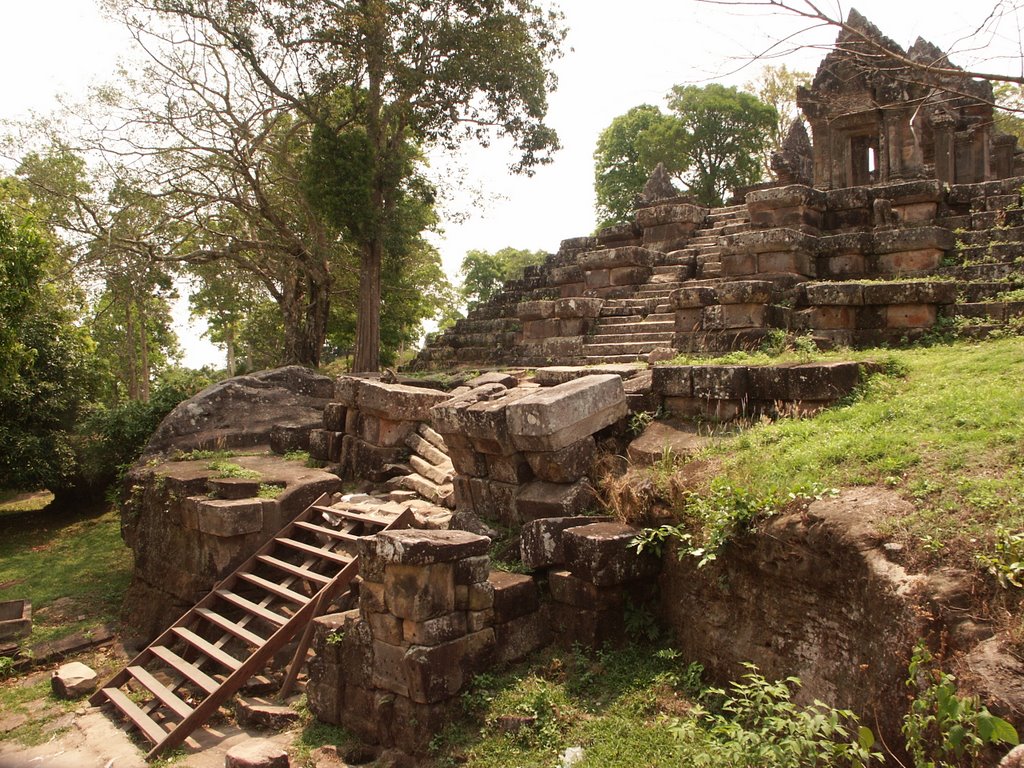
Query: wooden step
point(161, 691)
point(294, 570)
point(323, 554)
point(227, 625)
point(207, 648)
point(184, 668)
point(352, 515)
point(274, 588)
point(323, 531)
point(251, 607)
point(149, 727)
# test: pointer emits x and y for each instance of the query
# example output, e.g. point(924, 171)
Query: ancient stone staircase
point(180, 680)
point(630, 328)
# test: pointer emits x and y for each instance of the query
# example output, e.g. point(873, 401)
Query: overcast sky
point(618, 55)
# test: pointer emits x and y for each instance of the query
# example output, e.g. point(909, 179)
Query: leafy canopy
point(483, 273)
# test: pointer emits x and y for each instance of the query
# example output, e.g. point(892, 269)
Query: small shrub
point(757, 724)
point(1006, 560)
point(942, 729)
point(230, 469)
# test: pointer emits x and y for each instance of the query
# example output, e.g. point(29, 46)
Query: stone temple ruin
point(901, 212)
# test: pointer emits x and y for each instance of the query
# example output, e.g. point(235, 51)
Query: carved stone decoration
point(794, 164)
point(658, 187)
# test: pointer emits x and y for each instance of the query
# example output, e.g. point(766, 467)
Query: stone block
point(480, 596)
point(371, 596)
point(792, 262)
point(693, 297)
point(832, 318)
point(413, 547)
point(539, 499)
point(555, 417)
point(385, 627)
point(744, 316)
point(472, 570)
point(383, 432)
point(669, 213)
point(578, 307)
point(345, 389)
point(744, 292)
point(319, 445)
point(541, 329)
point(821, 381)
point(594, 279)
point(389, 668)
point(233, 487)
point(579, 593)
point(910, 293)
point(285, 438)
point(689, 320)
point(566, 465)
point(366, 461)
point(719, 382)
point(602, 553)
point(495, 500)
point(540, 540)
point(506, 380)
point(256, 753)
point(419, 592)
point(434, 631)
point(610, 258)
point(517, 639)
point(738, 264)
point(230, 517)
point(589, 628)
point(334, 417)
point(259, 714)
point(568, 275)
point(477, 620)
point(73, 680)
point(535, 310)
point(512, 595)
point(468, 462)
point(509, 469)
point(447, 418)
point(910, 315)
point(398, 402)
point(900, 262)
point(672, 380)
point(629, 275)
point(834, 294)
point(574, 326)
point(439, 672)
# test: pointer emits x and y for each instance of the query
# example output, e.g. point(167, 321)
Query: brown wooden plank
point(229, 626)
point(207, 648)
point(149, 727)
point(184, 668)
point(161, 691)
point(294, 570)
point(248, 605)
point(356, 517)
point(274, 588)
point(323, 554)
point(338, 535)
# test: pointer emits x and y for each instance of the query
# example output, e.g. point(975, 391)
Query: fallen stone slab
point(412, 547)
point(264, 715)
point(554, 417)
point(678, 438)
point(540, 541)
point(398, 402)
point(256, 753)
point(540, 499)
point(73, 680)
point(559, 374)
point(603, 554)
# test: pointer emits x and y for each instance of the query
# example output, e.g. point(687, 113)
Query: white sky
point(618, 55)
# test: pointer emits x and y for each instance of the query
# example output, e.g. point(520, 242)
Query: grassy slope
point(948, 434)
point(46, 557)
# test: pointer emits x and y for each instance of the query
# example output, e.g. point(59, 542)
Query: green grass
point(608, 703)
point(948, 434)
point(231, 469)
point(46, 556)
point(21, 698)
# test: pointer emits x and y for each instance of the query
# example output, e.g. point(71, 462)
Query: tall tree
point(434, 73)
point(776, 86)
point(483, 273)
point(620, 167)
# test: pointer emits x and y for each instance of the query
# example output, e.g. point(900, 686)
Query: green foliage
point(757, 725)
point(1006, 560)
point(776, 87)
point(1008, 119)
point(231, 469)
point(621, 167)
point(47, 371)
point(712, 141)
point(712, 519)
point(483, 273)
point(942, 729)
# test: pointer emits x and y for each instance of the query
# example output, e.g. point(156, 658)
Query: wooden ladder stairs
point(180, 680)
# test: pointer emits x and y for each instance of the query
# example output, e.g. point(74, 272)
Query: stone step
point(986, 236)
point(993, 253)
point(645, 326)
point(676, 277)
point(980, 272)
point(980, 291)
point(634, 348)
point(999, 311)
point(607, 359)
point(663, 338)
point(996, 202)
point(614, 320)
point(732, 229)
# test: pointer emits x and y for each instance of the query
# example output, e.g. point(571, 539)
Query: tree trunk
point(229, 343)
point(144, 367)
point(305, 306)
point(367, 354)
